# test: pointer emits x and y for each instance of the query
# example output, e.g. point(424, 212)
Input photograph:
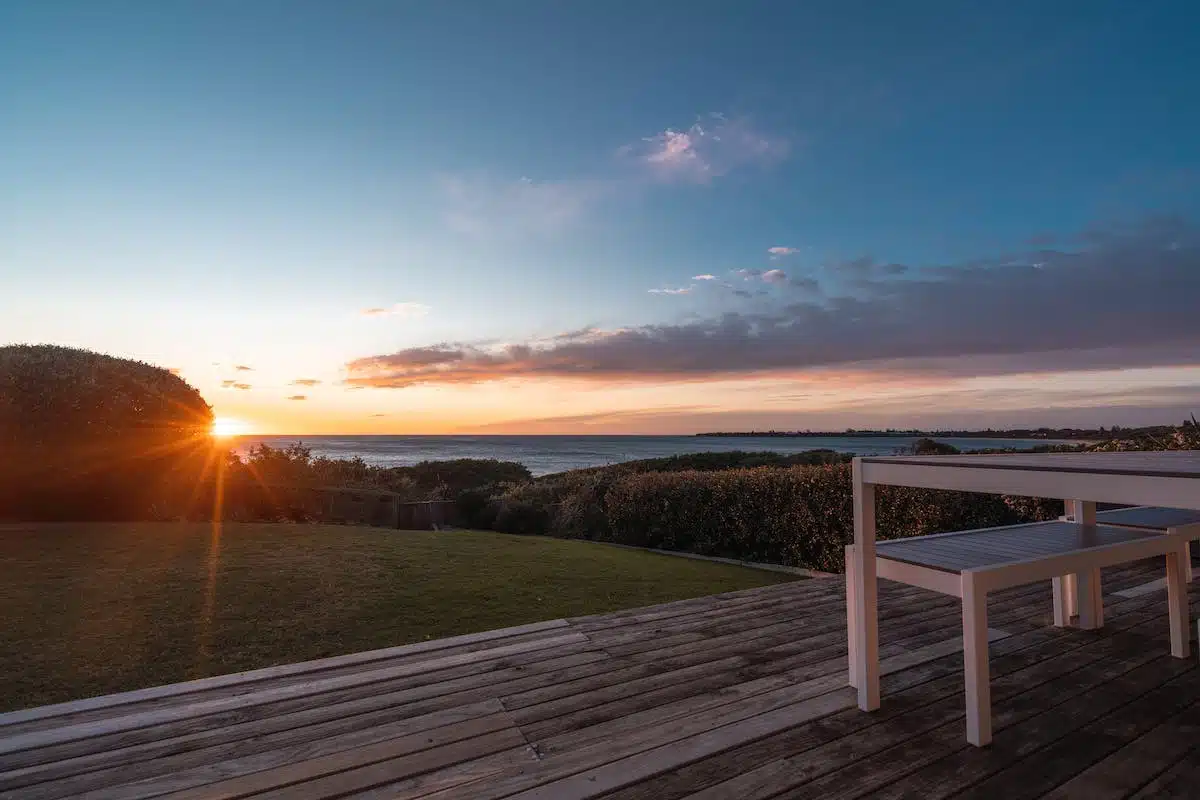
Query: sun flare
point(224, 427)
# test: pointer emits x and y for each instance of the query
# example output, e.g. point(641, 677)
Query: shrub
point(91, 436)
point(932, 447)
point(800, 516)
point(528, 509)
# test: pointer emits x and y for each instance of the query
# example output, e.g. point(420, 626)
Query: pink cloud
point(713, 146)
point(401, 310)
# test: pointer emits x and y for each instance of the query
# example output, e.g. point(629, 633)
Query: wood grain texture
point(741, 695)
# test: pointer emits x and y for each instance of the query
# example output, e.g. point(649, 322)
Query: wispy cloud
point(243, 368)
point(486, 207)
point(401, 310)
point(705, 277)
point(670, 290)
point(234, 385)
point(775, 276)
point(1002, 314)
point(713, 146)
point(298, 397)
point(780, 252)
point(306, 382)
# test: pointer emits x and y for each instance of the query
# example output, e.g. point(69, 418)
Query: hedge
point(799, 516)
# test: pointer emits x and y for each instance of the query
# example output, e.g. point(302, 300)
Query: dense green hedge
point(800, 516)
point(89, 436)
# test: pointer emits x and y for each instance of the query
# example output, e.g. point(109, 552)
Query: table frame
point(1081, 490)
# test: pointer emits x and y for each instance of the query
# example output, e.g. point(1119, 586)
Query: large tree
point(85, 435)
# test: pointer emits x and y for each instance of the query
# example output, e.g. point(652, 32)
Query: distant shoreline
point(1080, 436)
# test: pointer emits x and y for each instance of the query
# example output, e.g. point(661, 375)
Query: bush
point(932, 447)
point(527, 509)
point(709, 462)
point(801, 516)
point(91, 436)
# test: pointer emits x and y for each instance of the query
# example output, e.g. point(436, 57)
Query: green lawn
point(96, 608)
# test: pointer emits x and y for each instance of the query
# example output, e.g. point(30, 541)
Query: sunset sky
point(613, 217)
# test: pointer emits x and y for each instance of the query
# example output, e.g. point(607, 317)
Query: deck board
point(740, 695)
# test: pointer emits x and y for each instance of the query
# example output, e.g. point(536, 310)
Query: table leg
point(1062, 601)
point(975, 660)
point(851, 584)
point(1087, 593)
point(1177, 603)
point(865, 627)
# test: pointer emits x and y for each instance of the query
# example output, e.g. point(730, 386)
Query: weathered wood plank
point(153, 719)
point(254, 676)
point(323, 719)
point(1039, 772)
point(1137, 763)
point(765, 768)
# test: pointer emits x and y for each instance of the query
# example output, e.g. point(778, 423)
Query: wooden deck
point(737, 696)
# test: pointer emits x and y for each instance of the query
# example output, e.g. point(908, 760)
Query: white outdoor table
point(1170, 479)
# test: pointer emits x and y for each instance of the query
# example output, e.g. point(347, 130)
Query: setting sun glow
point(224, 427)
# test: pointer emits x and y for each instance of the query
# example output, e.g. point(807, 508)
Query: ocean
point(546, 454)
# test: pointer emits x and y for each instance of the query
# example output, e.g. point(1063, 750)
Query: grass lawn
point(97, 608)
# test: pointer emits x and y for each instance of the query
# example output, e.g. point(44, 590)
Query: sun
point(225, 427)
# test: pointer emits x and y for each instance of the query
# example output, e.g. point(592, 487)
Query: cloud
point(305, 382)
point(669, 290)
point(806, 284)
point(485, 207)
point(866, 267)
point(1131, 298)
point(713, 146)
point(298, 397)
point(705, 277)
point(401, 310)
point(243, 368)
point(234, 385)
point(776, 277)
point(174, 370)
point(379, 415)
point(780, 252)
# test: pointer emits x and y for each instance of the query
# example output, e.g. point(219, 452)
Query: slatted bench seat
point(971, 564)
point(1171, 521)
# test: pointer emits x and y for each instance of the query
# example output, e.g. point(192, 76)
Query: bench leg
point(1088, 603)
point(1062, 607)
point(1177, 602)
point(975, 658)
point(865, 626)
point(1091, 610)
point(851, 584)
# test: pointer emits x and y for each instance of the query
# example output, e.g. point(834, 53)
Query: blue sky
point(214, 184)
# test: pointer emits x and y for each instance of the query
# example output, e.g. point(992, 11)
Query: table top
point(1168, 464)
point(991, 547)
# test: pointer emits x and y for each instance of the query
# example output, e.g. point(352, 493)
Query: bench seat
point(971, 564)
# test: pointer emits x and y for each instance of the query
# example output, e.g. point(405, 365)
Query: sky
point(618, 217)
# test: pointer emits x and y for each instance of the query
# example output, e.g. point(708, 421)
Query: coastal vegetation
point(96, 437)
point(90, 436)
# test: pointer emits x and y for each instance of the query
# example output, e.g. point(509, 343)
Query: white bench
point(1180, 522)
point(972, 564)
